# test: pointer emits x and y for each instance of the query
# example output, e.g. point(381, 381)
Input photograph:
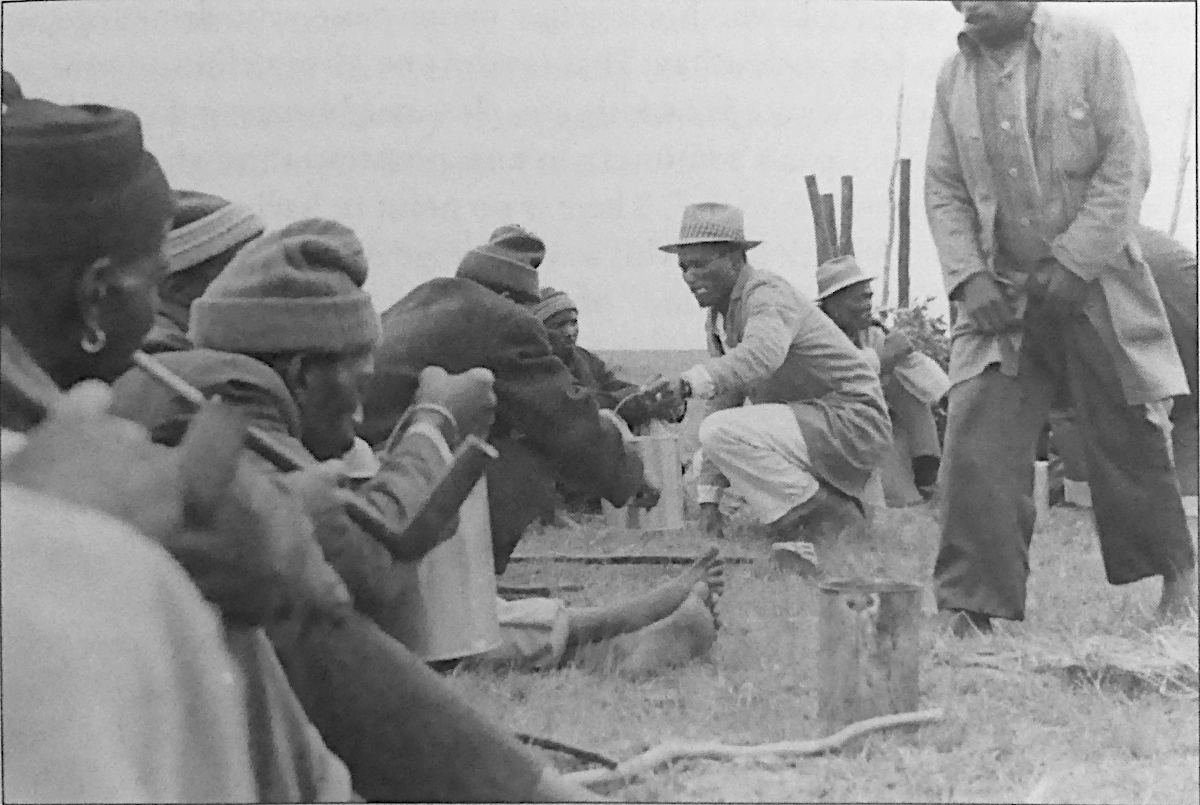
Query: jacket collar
point(740, 285)
point(1035, 31)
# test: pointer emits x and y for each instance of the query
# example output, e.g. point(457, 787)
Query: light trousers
point(762, 453)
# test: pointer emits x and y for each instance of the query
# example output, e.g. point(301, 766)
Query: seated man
point(816, 426)
point(844, 294)
point(547, 425)
point(284, 334)
point(1174, 268)
point(206, 232)
point(560, 317)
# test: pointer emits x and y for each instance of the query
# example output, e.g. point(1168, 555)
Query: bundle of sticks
point(830, 243)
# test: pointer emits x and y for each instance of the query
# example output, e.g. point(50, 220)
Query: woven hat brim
point(676, 246)
point(846, 283)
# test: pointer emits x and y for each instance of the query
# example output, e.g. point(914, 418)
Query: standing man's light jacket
point(1093, 161)
point(779, 347)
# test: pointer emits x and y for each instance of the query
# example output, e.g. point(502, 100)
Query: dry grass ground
point(1011, 732)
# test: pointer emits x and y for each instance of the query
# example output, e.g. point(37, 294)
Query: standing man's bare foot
point(1178, 596)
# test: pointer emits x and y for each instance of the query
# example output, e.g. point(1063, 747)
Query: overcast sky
point(424, 124)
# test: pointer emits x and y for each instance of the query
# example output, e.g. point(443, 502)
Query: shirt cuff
point(430, 431)
point(702, 383)
point(708, 494)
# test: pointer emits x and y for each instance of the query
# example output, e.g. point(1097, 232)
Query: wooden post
point(823, 237)
point(869, 645)
point(827, 210)
point(902, 260)
point(846, 242)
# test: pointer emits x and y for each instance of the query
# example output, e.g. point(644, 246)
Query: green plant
point(929, 333)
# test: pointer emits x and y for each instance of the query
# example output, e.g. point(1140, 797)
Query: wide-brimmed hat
point(711, 222)
point(838, 273)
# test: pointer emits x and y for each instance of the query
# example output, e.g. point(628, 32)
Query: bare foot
point(687, 633)
point(708, 570)
point(1178, 596)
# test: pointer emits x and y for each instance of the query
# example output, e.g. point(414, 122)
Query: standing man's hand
point(984, 304)
point(711, 521)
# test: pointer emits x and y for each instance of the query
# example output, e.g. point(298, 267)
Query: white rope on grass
point(670, 752)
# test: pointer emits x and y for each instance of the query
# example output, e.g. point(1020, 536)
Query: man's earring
point(93, 340)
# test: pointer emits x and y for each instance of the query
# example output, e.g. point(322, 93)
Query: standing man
point(1034, 179)
point(802, 451)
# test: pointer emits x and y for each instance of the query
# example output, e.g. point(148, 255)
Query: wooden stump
point(869, 644)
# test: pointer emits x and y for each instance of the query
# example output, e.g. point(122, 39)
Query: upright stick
point(846, 242)
point(902, 259)
point(827, 212)
point(824, 239)
point(887, 254)
point(1185, 154)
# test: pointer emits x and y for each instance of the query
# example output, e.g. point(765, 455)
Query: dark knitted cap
point(11, 89)
point(206, 226)
point(508, 261)
point(553, 302)
point(77, 183)
point(295, 290)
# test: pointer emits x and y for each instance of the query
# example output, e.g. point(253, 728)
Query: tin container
point(452, 612)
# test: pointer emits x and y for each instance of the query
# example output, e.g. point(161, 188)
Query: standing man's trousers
point(987, 471)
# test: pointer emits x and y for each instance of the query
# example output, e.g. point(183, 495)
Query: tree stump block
point(869, 646)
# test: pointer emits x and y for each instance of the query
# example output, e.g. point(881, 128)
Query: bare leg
point(594, 624)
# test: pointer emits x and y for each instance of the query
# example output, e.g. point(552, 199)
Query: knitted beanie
point(206, 226)
point(77, 183)
point(295, 290)
point(553, 301)
point(10, 90)
point(508, 261)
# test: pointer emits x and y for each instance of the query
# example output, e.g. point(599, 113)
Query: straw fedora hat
point(711, 223)
point(838, 273)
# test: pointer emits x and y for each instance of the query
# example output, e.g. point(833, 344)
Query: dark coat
point(592, 373)
point(547, 424)
point(378, 582)
point(402, 733)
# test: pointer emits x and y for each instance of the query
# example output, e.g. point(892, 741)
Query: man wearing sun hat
point(815, 427)
point(912, 381)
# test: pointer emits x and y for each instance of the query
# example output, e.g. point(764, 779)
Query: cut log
point(827, 212)
point(869, 644)
point(846, 241)
point(824, 238)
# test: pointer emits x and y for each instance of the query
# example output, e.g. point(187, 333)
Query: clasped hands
point(985, 303)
